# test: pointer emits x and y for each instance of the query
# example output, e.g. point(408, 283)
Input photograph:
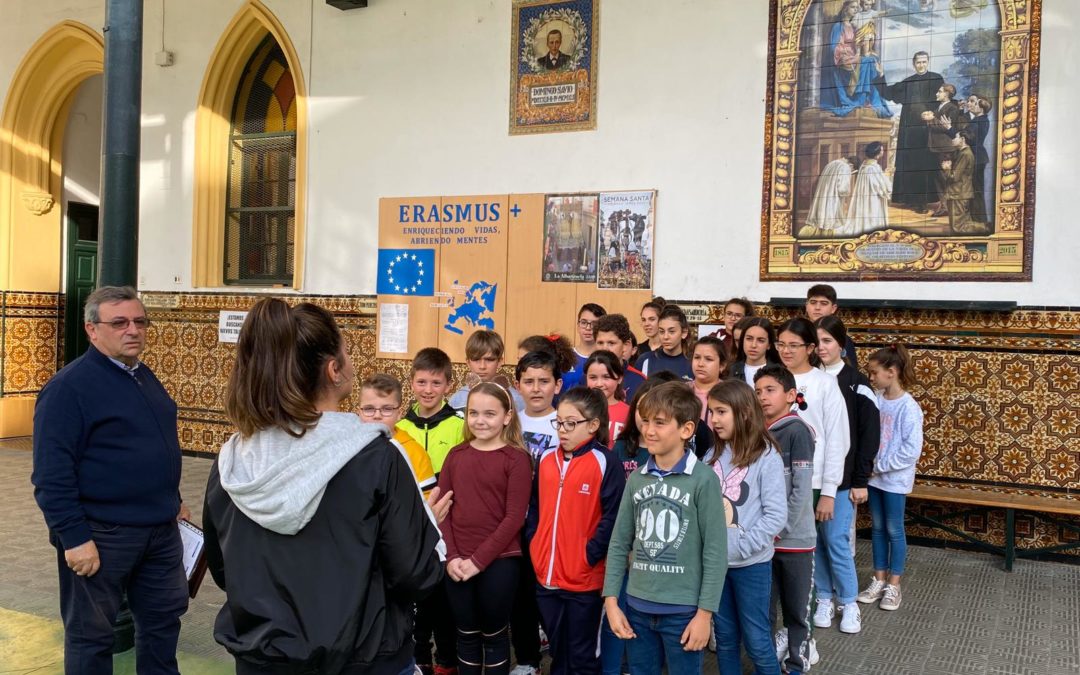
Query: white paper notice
point(229, 324)
point(393, 328)
point(192, 538)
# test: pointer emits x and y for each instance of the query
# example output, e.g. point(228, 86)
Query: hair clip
point(554, 337)
point(800, 401)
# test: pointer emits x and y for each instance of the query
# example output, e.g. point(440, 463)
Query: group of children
point(663, 495)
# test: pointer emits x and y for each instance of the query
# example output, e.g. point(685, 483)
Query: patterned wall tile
point(30, 330)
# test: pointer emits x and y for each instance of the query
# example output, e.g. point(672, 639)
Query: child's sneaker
point(781, 642)
point(445, 670)
point(812, 652)
point(524, 670)
point(824, 615)
point(892, 598)
point(851, 621)
point(873, 592)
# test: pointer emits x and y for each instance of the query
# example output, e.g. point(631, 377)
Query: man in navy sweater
point(106, 477)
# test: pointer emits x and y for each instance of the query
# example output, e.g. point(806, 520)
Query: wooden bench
point(973, 498)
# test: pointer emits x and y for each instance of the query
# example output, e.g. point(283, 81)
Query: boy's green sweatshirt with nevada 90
point(675, 532)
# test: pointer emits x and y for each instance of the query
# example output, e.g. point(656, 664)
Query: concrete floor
point(961, 613)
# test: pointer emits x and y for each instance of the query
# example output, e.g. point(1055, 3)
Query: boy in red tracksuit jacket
point(576, 493)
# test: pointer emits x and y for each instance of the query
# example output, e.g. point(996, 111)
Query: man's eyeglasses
point(384, 411)
point(567, 425)
point(141, 323)
point(789, 346)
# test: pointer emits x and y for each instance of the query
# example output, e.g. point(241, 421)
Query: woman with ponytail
point(315, 527)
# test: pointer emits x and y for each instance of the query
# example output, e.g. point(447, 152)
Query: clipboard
point(194, 555)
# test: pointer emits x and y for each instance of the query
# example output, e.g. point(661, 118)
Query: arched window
point(260, 203)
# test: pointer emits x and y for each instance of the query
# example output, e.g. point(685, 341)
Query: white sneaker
point(892, 598)
point(873, 592)
point(812, 652)
point(851, 621)
point(824, 614)
point(524, 670)
point(781, 642)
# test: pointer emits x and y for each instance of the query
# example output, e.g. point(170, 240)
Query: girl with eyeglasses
point(826, 413)
point(576, 497)
point(490, 475)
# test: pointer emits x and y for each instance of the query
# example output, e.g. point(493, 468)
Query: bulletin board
point(448, 266)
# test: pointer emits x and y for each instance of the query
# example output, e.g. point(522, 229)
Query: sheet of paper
point(394, 328)
point(193, 540)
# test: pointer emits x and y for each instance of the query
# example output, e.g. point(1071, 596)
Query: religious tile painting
point(900, 140)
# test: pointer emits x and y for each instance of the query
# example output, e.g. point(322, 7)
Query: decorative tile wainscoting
point(1001, 391)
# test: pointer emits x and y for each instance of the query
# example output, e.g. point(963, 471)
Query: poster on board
point(553, 66)
point(569, 247)
point(625, 239)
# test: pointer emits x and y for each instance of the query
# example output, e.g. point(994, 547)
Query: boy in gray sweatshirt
point(793, 562)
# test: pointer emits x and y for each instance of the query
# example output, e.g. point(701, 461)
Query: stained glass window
point(260, 214)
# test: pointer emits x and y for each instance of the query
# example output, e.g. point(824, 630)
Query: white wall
point(410, 97)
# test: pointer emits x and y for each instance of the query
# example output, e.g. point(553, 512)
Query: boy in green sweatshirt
point(671, 526)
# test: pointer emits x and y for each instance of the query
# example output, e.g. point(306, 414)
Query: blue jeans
point(743, 618)
point(612, 648)
point(834, 561)
point(888, 537)
point(659, 639)
point(147, 564)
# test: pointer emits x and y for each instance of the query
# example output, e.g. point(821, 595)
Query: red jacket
point(571, 516)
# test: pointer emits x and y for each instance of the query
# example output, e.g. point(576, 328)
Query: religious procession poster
point(900, 140)
point(625, 256)
point(553, 66)
point(569, 244)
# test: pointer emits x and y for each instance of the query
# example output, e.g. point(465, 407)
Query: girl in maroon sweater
point(491, 476)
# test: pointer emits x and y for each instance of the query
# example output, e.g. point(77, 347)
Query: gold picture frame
point(827, 105)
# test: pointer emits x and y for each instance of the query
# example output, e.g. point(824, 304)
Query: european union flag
point(406, 271)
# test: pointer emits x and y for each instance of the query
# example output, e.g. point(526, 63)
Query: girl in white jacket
point(826, 413)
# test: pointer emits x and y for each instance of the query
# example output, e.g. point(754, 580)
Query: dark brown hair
point(280, 369)
point(750, 439)
point(748, 307)
point(719, 347)
point(433, 360)
point(832, 325)
point(616, 324)
point(674, 312)
point(592, 404)
point(554, 344)
point(771, 355)
point(612, 363)
point(896, 356)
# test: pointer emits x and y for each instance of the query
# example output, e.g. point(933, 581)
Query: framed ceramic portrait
point(553, 72)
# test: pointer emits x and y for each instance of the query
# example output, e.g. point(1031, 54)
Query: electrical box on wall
point(163, 58)
point(347, 4)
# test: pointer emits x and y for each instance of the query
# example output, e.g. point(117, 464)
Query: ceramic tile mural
point(900, 139)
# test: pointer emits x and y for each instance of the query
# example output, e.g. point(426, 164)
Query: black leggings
point(481, 608)
point(525, 618)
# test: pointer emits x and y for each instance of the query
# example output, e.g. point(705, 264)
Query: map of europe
point(476, 311)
